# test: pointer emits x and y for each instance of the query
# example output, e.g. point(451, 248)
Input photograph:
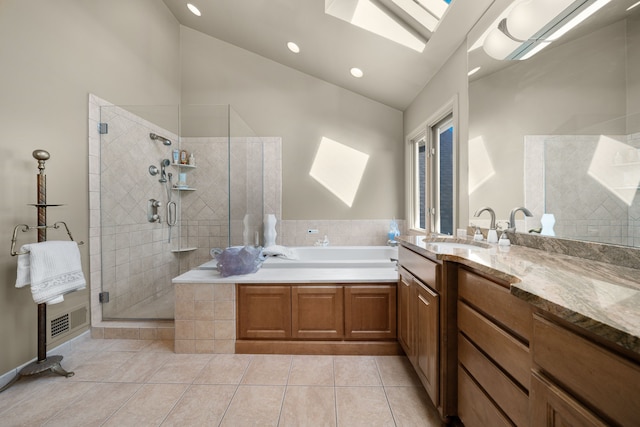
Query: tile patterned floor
point(143, 383)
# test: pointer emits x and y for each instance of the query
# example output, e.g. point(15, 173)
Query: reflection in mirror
point(559, 132)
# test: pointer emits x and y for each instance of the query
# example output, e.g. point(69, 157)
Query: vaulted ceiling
point(329, 47)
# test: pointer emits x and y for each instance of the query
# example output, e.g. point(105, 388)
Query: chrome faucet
point(491, 212)
point(512, 217)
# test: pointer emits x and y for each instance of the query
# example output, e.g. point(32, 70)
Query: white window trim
point(411, 192)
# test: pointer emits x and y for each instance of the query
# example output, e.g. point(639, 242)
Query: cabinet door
point(406, 335)
point(427, 339)
point(264, 311)
point(552, 407)
point(370, 312)
point(317, 312)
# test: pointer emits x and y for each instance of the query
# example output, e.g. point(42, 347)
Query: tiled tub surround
point(600, 297)
point(205, 318)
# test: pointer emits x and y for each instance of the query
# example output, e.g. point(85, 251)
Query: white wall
point(278, 101)
point(54, 53)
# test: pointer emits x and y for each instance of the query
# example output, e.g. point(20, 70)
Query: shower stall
point(160, 215)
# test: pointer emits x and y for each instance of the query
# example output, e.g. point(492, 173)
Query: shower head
point(164, 140)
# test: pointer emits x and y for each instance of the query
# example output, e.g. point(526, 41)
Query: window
point(432, 178)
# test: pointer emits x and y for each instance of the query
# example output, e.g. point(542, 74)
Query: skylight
point(402, 21)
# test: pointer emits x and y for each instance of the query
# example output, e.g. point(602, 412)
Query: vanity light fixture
point(533, 24)
point(293, 47)
point(356, 72)
point(194, 9)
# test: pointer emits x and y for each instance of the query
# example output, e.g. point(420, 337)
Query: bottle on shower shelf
point(183, 157)
point(192, 160)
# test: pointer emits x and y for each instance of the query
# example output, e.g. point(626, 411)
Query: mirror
point(559, 133)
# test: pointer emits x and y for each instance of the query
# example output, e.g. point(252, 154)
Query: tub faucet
point(491, 212)
point(512, 217)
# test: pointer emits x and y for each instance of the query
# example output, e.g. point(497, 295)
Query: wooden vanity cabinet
point(577, 380)
point(494, 358)
point(426, 325)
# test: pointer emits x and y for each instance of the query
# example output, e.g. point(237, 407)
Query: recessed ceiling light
point(356, 72)
point(293, 47)
point(193, 9)
point(472, 72)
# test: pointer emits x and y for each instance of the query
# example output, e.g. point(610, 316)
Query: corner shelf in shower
point(183, 250)
point(180, 165)
point(183, 189)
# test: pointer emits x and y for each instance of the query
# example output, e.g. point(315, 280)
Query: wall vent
point(66, 323)
point(60, 325)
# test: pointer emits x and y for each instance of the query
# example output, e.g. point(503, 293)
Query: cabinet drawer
point(474, 407)
point(505, 350)
point(422, 268)
point(511, 398)
point(550, 405)
point(496, 302)
point(592, 373)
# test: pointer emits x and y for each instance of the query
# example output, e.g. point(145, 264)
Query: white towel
point(280, 251)
point(52, 268)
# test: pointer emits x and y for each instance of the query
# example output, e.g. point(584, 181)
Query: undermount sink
point(449, 246)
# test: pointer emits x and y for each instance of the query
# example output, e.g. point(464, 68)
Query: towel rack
point(44, 363)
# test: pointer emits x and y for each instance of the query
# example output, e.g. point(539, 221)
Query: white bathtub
point(332, 257)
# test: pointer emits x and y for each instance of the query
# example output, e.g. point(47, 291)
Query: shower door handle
point(171, 213)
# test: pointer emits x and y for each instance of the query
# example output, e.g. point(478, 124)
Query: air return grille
point(60, 325)
point(67, 322)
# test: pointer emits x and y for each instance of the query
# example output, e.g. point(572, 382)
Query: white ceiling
point(330, 47)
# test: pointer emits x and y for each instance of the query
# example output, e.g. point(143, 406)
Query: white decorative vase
point(269, 230)
point(245, 230)
point(547, 221)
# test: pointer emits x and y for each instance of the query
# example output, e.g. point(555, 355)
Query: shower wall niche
point(228, 191)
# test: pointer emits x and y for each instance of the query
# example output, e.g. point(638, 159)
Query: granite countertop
point(597, 296)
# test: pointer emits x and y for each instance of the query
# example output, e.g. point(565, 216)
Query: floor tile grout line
point(384, 390)
point(286, 388)
point(224, 414)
